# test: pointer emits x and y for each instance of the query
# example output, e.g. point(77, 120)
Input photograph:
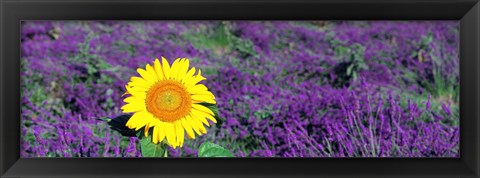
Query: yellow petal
point(131, 108)
point(186, 65)
point(174, 68)
point(151, 123)
point(140, 82)
point(193, 124)
point(202, 108)
point(137, 88)
point(180, 133)
point(145, 75)
point(199, 125)
point(178, 75)
point(201, 128)
point(158, 69)
point(155, 135)
point(136, 121)
point(188, 128)
point(151, 72)
point(135, 100)
point(200, 116)
point(189, 76)
point(135, 92)
point(190, 72)
point(147, 128)
point(166, 68)
point(170, 133)
point(204, 98)
point(182, 69)
point(161, 131)
point(199, 89)
point(212, 118)
point(197, 78)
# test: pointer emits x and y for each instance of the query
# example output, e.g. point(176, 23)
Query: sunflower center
point(168, 100)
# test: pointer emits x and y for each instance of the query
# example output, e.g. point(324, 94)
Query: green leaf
point(349, 70)
point(208, 149)
point(119, 124)
point(106, 119)
point(149, 149)
point(109, 92)
point(426, 40)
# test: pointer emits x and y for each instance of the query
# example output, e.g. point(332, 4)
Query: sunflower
point(170, 100)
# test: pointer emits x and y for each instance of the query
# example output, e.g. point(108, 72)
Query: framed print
point(379, 88)
point(240, 88)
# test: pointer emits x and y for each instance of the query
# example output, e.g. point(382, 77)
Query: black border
point(13, 11)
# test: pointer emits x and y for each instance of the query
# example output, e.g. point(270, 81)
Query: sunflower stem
point(165, 147)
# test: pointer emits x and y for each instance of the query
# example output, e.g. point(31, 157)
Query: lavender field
point(283, 89)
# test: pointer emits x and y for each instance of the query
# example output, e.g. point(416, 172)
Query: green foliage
point(38, 95)
point(221, 41)
point(149, 149)
point(356, 61)
point(119, 124)
point(435, 105)
point(94, 64)
point(208, 149)
point(443, 88)
point(426, 40)
point(353, 60)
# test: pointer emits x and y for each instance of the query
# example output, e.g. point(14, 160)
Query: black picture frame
point(13, 11)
